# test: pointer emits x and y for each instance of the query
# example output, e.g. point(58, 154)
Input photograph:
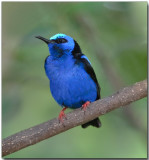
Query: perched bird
point(73, 82)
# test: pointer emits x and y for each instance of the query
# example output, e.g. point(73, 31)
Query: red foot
point(62, 114)
point(84, 106)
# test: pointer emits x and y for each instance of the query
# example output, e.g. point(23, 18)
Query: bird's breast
point(70, 85)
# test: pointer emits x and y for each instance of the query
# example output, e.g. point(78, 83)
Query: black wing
point(81, 58)
point(89, 69)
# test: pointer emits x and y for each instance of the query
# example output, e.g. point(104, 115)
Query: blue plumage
point(72, 78)
point(70, 85)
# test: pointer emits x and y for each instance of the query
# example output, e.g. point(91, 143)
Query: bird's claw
point(62, 115)
point(84, 106)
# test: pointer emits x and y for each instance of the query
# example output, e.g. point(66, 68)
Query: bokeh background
point(114, 38)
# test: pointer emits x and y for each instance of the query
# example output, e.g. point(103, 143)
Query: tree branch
point(77, 117)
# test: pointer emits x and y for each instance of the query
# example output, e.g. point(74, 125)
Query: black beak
point(44, 39)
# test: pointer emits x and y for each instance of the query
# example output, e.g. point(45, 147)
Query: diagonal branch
point(77, 117)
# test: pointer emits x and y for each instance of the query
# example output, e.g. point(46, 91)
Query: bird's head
point(59, 44)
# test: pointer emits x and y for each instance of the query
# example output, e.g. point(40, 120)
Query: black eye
point(61, 40)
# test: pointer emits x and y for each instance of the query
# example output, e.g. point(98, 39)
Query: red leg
point(84, 106)
point(62, 114)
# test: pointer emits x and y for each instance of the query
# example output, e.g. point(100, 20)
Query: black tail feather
point(95, 122)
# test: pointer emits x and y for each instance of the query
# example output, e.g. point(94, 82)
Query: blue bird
point(73, 82)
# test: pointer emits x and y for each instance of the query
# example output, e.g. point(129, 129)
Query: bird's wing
point(89, 69)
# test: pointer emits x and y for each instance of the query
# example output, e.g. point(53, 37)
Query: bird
point(73, 82)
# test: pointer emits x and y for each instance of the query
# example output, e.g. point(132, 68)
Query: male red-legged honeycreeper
point(73, 82)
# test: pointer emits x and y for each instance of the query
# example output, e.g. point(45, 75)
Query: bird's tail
point(95, 122)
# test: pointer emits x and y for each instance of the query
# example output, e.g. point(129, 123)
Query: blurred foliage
point(114, 37)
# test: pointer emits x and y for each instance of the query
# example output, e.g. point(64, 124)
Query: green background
point(114, 38)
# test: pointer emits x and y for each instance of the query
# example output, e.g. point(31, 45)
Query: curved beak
point(44, 39)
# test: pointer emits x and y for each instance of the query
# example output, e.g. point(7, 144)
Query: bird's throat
point(56, 52)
